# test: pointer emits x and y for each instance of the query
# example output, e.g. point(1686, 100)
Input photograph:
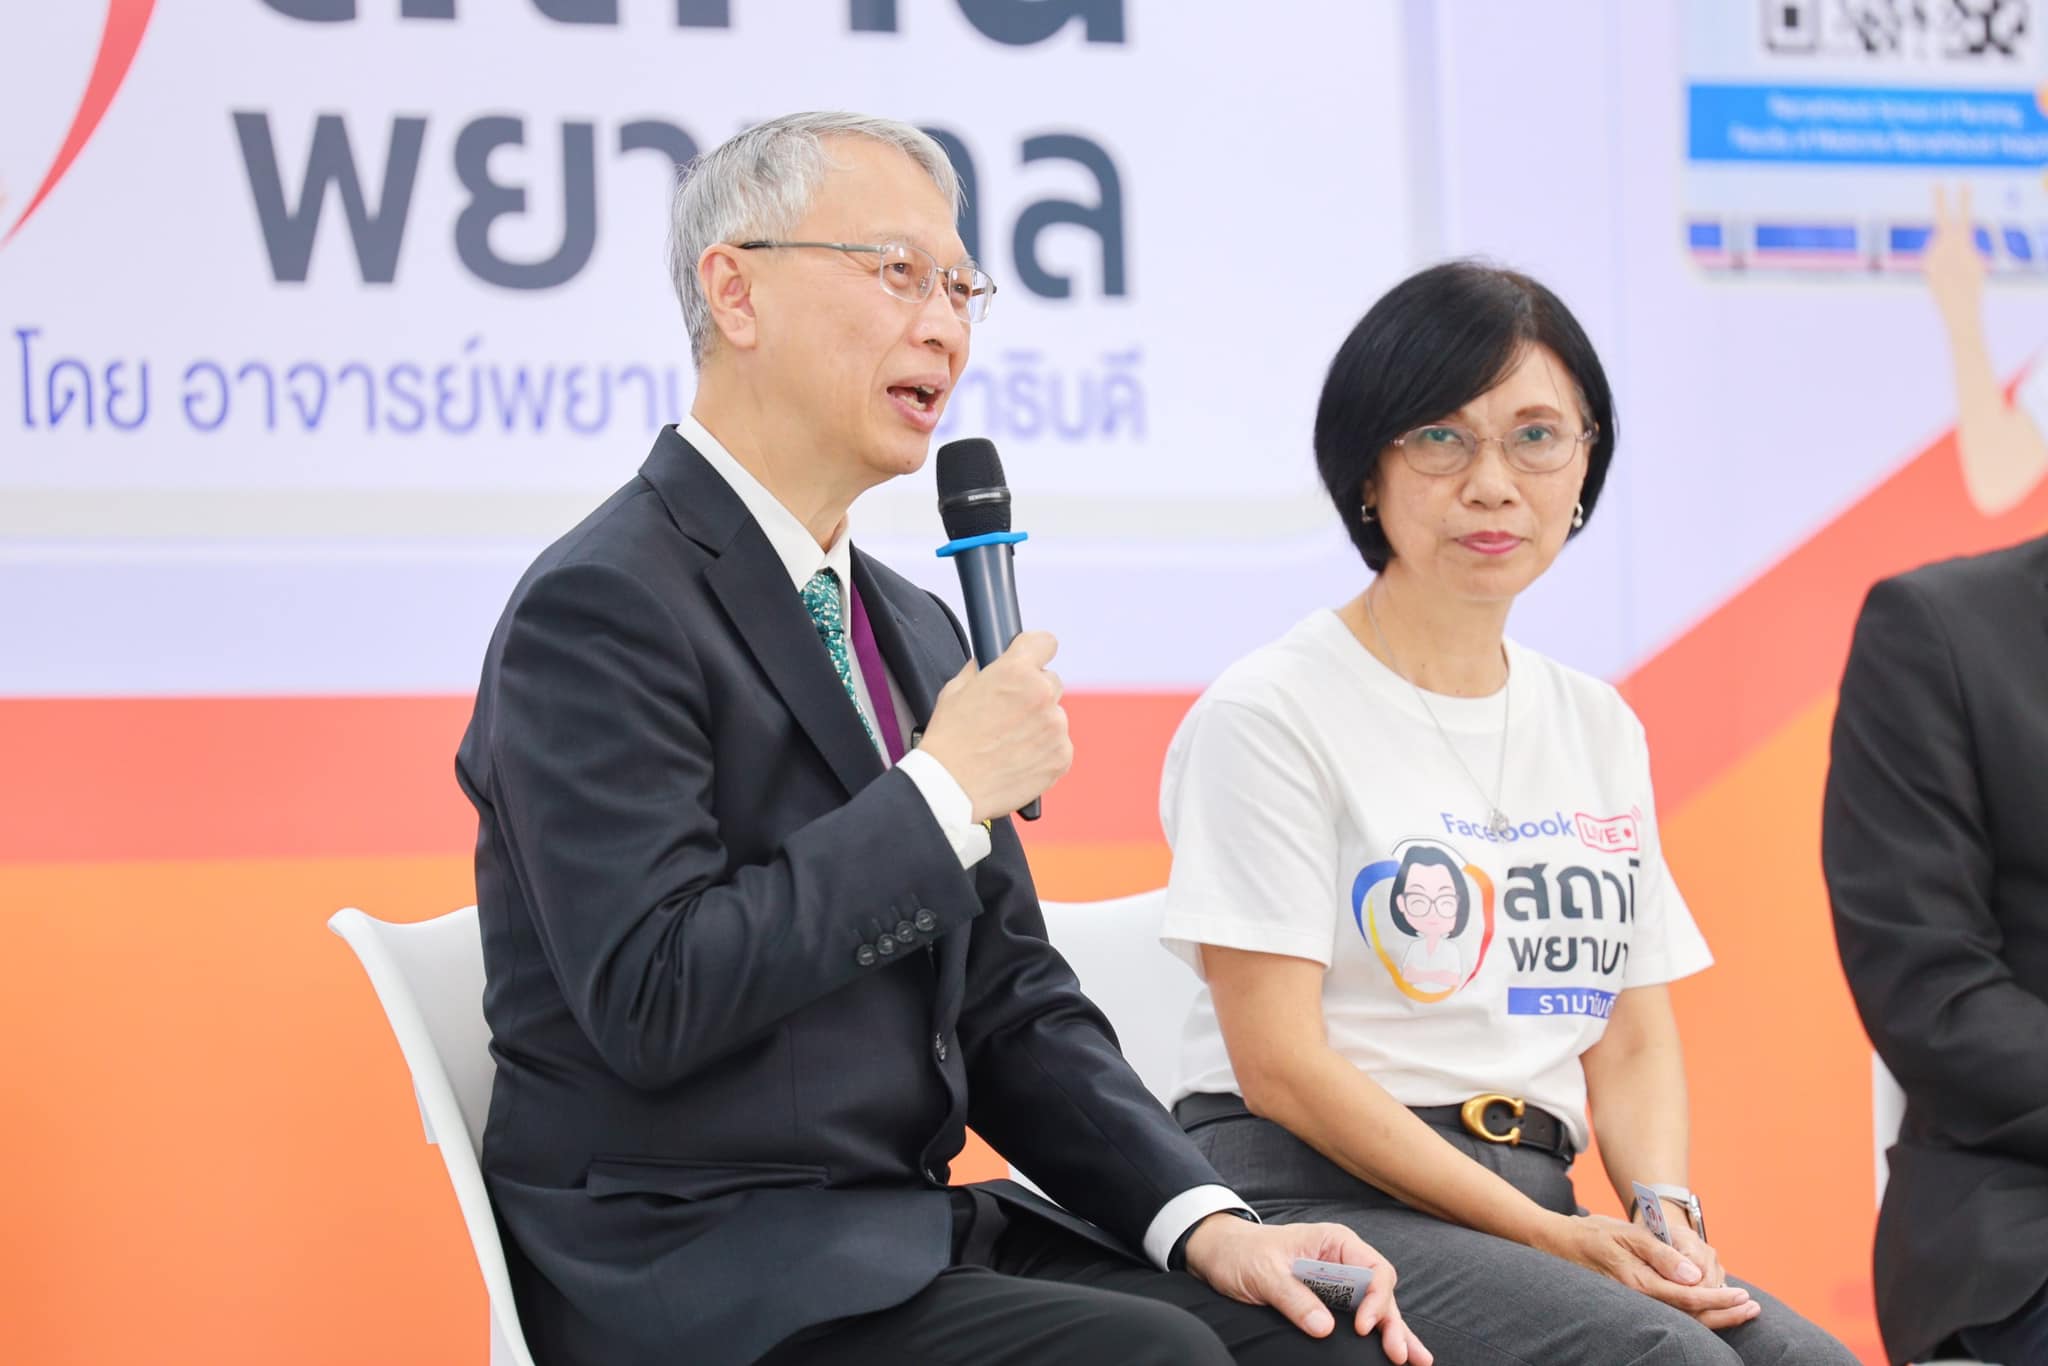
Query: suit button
point(939, 1046)
point(885, 946)
point(905, 932)
point(865, 955)
point(935, 1175)
point(925, 922)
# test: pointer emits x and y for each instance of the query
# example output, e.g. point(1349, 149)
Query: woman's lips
point(1490, 542)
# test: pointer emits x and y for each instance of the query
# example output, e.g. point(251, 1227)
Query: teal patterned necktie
point(828, 614)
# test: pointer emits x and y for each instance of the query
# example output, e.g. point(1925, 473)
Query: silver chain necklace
point(1496, 819)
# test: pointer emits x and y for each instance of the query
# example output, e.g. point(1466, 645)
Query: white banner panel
point(341, 297)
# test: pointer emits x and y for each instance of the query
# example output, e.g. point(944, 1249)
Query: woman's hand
point(1692, 1247)
point(1632, 1256)
point(1701, 1254)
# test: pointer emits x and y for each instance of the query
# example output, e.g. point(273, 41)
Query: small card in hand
point(1335, 1284)
point(1652, 1207)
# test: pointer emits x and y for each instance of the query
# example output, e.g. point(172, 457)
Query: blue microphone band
point(952, 548)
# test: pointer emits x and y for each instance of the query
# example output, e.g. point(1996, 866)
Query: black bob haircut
point(1435, 858)
point(1432, 344)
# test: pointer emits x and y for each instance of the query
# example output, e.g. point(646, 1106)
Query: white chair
point(1887, 1113)
point(1113, 947)
point(429, 977)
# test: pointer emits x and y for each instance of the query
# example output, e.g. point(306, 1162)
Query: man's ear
point(722, 275)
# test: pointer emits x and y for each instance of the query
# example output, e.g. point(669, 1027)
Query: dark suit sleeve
point(1909, 869)
point(1047, 1085)
point(602, 775)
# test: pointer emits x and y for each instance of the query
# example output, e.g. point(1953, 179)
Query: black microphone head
point(973, 499)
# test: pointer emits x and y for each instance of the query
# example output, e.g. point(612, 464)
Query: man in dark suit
point(1937, 863)
point(761, 941)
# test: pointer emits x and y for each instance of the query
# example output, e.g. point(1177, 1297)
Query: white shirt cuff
point(1182, 1213)
point(950, 806)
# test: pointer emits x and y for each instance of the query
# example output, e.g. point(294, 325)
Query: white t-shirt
point(1315, 811)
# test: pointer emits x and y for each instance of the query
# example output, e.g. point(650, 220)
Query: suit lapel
point(753, 588)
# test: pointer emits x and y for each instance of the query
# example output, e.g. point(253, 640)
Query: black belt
point(1491, 1118)
point(1502, 1119)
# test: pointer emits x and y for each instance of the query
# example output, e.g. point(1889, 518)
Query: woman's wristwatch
point(1685, 1200)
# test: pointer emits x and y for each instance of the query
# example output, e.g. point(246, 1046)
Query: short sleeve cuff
point(1184, 936)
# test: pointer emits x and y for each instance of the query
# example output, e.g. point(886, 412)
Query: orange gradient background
point(216, 1154)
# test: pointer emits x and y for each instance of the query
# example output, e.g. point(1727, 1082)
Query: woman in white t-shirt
point(1418, 868)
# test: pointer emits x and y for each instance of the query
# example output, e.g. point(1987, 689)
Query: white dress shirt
point(802, 557)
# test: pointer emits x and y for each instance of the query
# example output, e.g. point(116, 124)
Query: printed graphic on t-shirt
point(1428, 912)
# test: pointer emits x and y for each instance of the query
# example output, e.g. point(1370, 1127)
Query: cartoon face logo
point(122, 34)
point(1416, 911)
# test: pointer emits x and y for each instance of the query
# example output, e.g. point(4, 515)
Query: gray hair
point(760, 184)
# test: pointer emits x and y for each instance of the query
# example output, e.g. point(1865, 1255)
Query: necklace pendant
point(1499, 824)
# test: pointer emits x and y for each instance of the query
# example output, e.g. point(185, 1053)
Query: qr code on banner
point(1908, 30)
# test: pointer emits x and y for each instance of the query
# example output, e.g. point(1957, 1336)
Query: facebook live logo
point(1612, 835)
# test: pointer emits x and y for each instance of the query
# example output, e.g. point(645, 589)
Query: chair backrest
point(1113, 947)
point(429, 977)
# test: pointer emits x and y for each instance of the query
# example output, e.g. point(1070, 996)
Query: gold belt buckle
point(1473, 1113)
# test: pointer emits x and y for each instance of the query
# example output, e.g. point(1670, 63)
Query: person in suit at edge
point(760, 939)
point(1931, 839)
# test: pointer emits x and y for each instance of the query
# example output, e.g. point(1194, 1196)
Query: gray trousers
point(1478, 1300)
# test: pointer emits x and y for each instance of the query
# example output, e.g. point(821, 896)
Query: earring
point(1366, 513)
point(1578, 515)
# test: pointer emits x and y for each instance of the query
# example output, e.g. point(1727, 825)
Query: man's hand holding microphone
point(1001, 731)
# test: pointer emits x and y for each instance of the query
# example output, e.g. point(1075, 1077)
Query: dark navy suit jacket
point(743, 999)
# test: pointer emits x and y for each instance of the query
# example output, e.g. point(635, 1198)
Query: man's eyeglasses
point(909, 273)
point(1533, 447)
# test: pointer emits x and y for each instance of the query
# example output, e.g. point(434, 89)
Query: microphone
point(974, 504)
